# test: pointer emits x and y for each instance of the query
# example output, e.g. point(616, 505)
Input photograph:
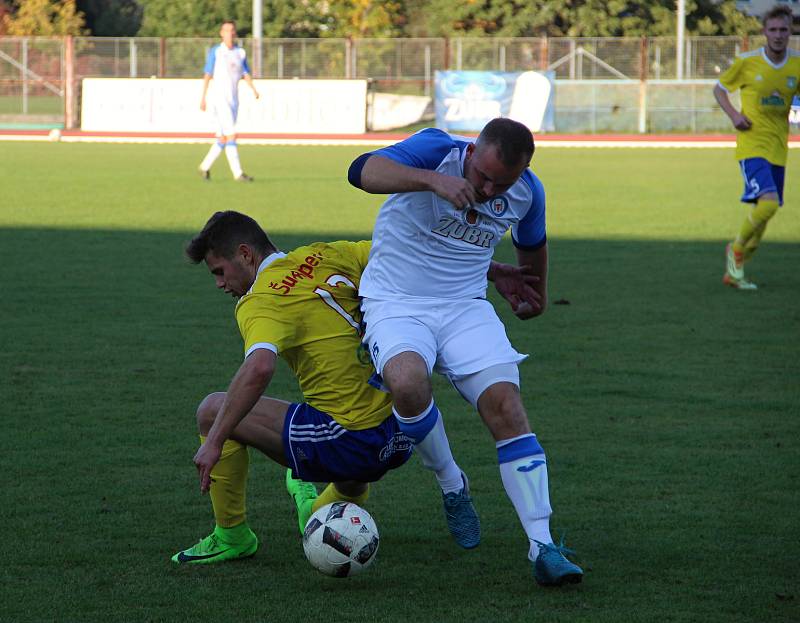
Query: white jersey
point(422, 246)
point(226, 66)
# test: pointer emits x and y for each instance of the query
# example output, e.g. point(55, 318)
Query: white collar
point(264, 265)
point(269, 259)
point(770, 63)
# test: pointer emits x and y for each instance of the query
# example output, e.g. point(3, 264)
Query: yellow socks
point(753, 228)
point(332, 494)
point(229, 484)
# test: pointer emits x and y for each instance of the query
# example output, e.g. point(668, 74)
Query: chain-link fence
point(602, 84)
point(31, 81)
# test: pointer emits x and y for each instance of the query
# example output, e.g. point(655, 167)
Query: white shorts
point(225, 117)
point(455, 338)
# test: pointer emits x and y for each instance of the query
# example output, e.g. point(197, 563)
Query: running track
point(556, 140)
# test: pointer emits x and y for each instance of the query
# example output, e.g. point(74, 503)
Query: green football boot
point(303, 493)
point(222, 544)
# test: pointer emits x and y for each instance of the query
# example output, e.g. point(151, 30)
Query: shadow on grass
point(645, 370)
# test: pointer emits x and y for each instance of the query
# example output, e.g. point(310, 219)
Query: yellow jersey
point(766, 91)
point(304, 306)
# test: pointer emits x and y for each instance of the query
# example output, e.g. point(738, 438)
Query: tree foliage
point(377, 18)
point(112, 18)
point(369, 18)
point(583, 18)
point(201, 18)
point(44, 18)
point(300, 18)
point(334, 18)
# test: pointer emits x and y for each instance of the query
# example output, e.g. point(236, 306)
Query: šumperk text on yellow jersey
point(306, 306)
point(766, 91)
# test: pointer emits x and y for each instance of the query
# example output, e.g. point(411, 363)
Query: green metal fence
point(602, 84)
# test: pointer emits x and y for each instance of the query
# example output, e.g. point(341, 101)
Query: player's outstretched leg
point(523, 469)
point(222, 544)
point(213, 153)
point(430, 442)
point(232, 154)
point(303, 493)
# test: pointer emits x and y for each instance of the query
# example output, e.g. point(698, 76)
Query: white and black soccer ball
point(341, 539)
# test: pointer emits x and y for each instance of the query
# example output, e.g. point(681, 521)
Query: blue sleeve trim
point(211, 57)
point(530, 233)
point(354, 172)
point(424, 150)
point(246, 67)
point(529, 247)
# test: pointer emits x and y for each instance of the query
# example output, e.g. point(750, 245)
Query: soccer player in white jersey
point(226, 64)
point(425, 309)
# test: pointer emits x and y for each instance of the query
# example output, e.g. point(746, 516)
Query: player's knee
point(502, 410)
point(407, 377)
point(766, 207)
point(411, 395)
point(207, 411)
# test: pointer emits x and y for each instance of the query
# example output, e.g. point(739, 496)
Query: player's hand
point(456, 190)
point(205, 459)
point(203, 104)
point(515, 284)
point(741, 122)
point(256, 94)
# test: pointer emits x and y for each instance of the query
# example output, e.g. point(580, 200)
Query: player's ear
point(245, 252)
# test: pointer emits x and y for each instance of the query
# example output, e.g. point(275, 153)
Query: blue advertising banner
point(468, 100)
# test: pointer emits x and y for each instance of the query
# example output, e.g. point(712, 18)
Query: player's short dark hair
point(512, 139)
point(224, 232)
point(778, 11)
point(228, 21)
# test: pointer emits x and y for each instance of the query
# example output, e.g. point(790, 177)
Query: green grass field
point(668, 405)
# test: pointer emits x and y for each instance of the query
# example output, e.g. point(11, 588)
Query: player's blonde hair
point(778, 11)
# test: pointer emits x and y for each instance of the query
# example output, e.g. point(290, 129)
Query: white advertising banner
point(165, 105)
point(388, 111)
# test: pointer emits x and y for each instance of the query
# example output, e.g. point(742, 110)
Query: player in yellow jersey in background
point(304, 306)
point(767, 79)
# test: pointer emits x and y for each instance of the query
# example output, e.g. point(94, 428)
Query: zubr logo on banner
point(472, 95)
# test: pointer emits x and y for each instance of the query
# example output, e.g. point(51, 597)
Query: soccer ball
point(55, 135)
point(341, 539)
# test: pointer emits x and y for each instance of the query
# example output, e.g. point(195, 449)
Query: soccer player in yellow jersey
point(767, 79)
point(304, 306)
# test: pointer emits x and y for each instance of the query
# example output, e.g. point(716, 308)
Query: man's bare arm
point(206, 81)
point(245, 389)
point(381, 175)
point(537, 260)
point(249, 80)
point(739, 121)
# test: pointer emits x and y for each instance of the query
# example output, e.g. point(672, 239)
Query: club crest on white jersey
point(423, 246)
point(498, 205)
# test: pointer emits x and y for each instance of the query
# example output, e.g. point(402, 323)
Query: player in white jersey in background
point(226, 64)
point(425, 307)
